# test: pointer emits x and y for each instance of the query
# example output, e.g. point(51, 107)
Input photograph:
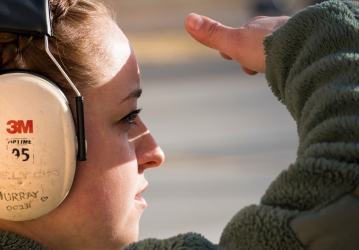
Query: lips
point(140, 199)
point(142, 190)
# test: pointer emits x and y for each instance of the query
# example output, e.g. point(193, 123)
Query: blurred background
point(225, 136)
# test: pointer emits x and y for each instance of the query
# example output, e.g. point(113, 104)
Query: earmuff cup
point(37, 146)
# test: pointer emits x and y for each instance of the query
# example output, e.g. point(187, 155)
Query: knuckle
point(213, 32)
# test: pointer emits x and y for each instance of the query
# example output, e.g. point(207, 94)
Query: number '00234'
point(19, 207)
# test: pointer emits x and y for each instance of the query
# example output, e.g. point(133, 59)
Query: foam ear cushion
point(37, 146)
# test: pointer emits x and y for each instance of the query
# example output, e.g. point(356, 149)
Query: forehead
point(119, 69)
point(115, 49)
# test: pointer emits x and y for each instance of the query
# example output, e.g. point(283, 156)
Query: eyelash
point(131, 117)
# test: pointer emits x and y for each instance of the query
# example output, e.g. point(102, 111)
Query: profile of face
point(103, 208)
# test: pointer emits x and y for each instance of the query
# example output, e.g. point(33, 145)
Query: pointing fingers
point(243, 44)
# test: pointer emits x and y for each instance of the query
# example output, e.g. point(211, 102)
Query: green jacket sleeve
point(12, 241)
point(312, 67)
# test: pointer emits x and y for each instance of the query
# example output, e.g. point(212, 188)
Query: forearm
point(312, 67)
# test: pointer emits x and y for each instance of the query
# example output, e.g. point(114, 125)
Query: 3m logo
point(20, 127)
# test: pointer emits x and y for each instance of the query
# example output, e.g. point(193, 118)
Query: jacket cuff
point(306, 38)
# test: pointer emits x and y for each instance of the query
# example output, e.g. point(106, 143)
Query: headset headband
point(32, 17)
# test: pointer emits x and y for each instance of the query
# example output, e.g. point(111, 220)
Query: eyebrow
point(134, 94)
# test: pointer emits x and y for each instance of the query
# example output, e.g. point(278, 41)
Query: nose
point(148, 153)
point(153, 157)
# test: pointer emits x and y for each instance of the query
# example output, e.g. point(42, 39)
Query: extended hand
point(243, 44)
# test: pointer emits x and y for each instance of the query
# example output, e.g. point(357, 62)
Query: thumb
point(210, 33)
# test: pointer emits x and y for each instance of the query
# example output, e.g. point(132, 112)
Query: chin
point(132, 235)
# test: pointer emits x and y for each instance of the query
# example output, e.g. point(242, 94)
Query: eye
point(131, 117)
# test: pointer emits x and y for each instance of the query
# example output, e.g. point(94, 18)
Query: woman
point(103, 208)
point(311, 66)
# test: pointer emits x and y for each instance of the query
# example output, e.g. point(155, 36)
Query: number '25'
point(20, 127)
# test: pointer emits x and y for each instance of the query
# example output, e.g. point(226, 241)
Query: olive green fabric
point(312, 67)
point(190, 241)
point(11, 241)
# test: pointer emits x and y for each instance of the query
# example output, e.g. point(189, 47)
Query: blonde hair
point(75, 25)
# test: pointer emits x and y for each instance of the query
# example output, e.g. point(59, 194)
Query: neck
point(23, 228)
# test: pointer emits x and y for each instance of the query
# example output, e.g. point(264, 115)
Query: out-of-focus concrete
point(226, 138)
point(169, 47)
point(156, 30)
point(143, 16)
point(147, 16)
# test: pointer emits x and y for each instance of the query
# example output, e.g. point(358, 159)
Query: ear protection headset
point(38, 145)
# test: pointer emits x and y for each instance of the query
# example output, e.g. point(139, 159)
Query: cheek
point(107, 181)
point(108, 145)
point(111, 157)
point(104, 199)
point(109, 192)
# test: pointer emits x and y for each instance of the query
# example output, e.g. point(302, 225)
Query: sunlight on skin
point(139, 136)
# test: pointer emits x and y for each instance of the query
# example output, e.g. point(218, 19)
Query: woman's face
point(103, 209)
